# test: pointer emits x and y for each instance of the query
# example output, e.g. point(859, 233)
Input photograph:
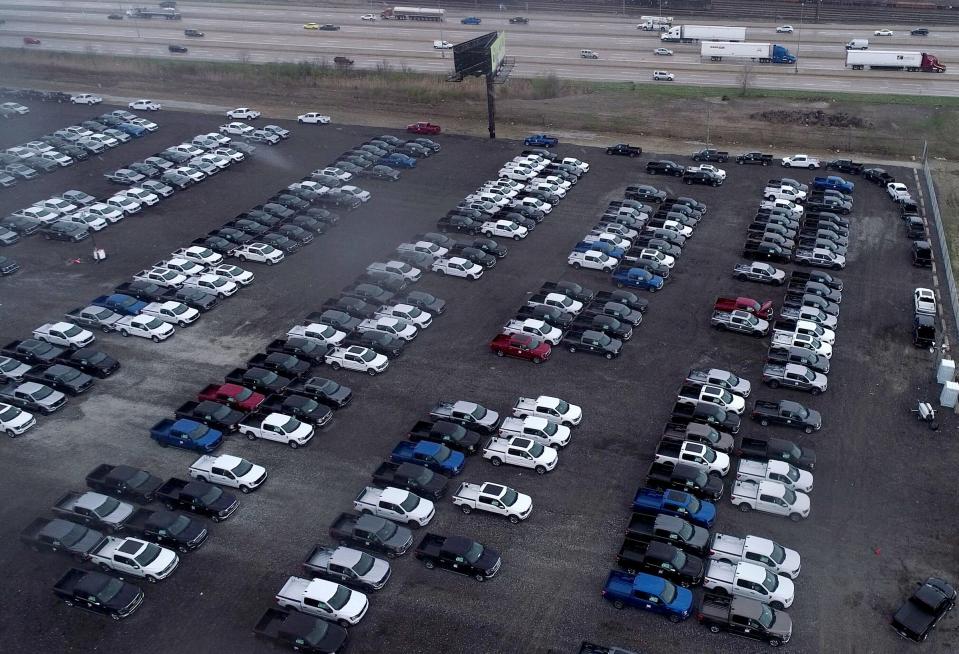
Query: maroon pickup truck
point(762, 310)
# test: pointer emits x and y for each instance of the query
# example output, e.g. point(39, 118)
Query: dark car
point(261, 379)
point(280, 242)
point(385, 172)
point(323, 215)
point(919, 31)
point(233, 236)
point(924, 609)
point(454, 436)
point(284, 364)
point(354, 306)
point(380, 342)
point(62, 378)
point(877, 176)
point(248, 226)
point(329, 27)
point(692, 176)
point(518, 20)
point(550, 315)
point(593, 342)
point(845, 166)
point(455, 222)
point(645, 193)
point(192, 297)
point(21, 225)
point(30, 350)
point(146, 291)
point(665, 167)
point(179, 49)
point(212, 414)
point(305, 222)
point(425, 301)
point(302, 348)
point(289, 201)
point(296, 234)
point(606, 324)
point(262, 217)
point(326, 391)
point(63, 231)
point(301, 407)
point(176, 180)
point(335, 318)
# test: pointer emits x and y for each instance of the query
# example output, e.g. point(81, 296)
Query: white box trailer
point(893, 60)
point(761, 52)
point(691, 33)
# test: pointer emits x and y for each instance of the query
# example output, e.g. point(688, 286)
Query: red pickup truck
point(235, 395)
point(763, 310)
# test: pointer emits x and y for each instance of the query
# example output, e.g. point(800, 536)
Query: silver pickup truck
point(739, 321)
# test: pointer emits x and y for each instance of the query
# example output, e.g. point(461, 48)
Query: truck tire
point(674, 618)
point(774, 642)
point(795, 517)
point(786, 164)
point(773, 383)
point(251, 435)
point(815, 391)
point(245, 489)
point(11, 433)
point(429, 564)
point(812, 166)
point(215, 518)
point(371, 372)
point(293, 445)
point(517, 237)
point(155, 339)
point(514, 519)
point(764, 422)
point(242, 257)
point(343, 623)
point(577, 265)
point(618, 604)
point(500, 353)
point(745, 508)
point(540, 470)
point(115, 616)
point(479, 577)
point(537, 360)
point(104, 567)
point(808, 430)
point(124, 333)
point(335, 365)
point(270, 262)
point(496, 461)
point(609, 356)
point(571, 348)
point(714, 628)
point(152, 579)
point(777, 605)
point(466, 509)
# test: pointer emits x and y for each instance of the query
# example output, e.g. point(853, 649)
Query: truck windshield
point(789, 496)
point(442, 454)
point(771, 582)
point(290, 426)
point(386, 531)
point(792, 473)
point(148, 555)
point(198, 432)
point(668, 594)
point(9, 413)
point(211, 496)
point(766, 617)
point(726, 397)
point(778, 553)
point(411, 502)
point(685, 532)
point(138, 479)
point(109, 506)
point(474, 553)
point(242, 468)
point(340, 597)
point(679, 560)
point(550, 428)
point(110, 590)
point(509, 497)
point(709, 454)
point(478, 412)
point(178, 525)
point(536, 450)
point(364, 564)
point(243, 395)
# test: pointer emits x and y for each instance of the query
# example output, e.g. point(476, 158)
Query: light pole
point(802, 15)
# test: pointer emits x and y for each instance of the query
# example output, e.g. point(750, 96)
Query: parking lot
point(882, 508)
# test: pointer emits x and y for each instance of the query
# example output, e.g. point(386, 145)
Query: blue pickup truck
point(637, 278)
point(398, 160)
point(541, 140)
point(608, 249)
point(434, 456)
point(833, 182)
point(186, 434)
point(471, 20)
point(649, 593)
point(125, 305)
point(676, 503)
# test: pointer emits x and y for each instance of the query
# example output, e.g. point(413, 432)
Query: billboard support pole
point(491, 105)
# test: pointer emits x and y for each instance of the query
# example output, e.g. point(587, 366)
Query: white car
point(713, 169)
point(162, 277)
point(212, 284)
point(14, 421)
point(368, 17)
point(219, 161)
point(663, 76)
point(228, 470)
point(64, 333)
point(426, 247)
point(86, 219)
point(677, 227)
point(260, 253)
point(57, 205)
point(649, 254)
point(12, 369)
point(401, 268)
point(459, 267)
point(21, 152)
point(229, 153)
point(145, 105)
point(592, 259)
point(608, 237)
point(39, 146)
point(106, 140)
point(323, 334)
point(358, 358)
point(145, 327)
point(389, 325)
point(141, 195)
point(517, 175)
point(535, 203)
point(148, 125)
point(105, 211)
point(243, 112)
point(127, 205)
point(314, 118)
point(58, 158)
point(78, 197)
point(883, 33)
point(925, 301)
point(784, 29)
point(522, 452)
point(42, 214)
point(538, 328)
point(419, 318)
point(801, 161)
point(175, 313)
point(356, 192)
point(896, 190)
point(235, 273)
point(337, 173)
point(236, 129)
point(663, 52)
point(85, 98)
point(537, 185)
point(278, 427)
point(504, 228)
point(442, 45)
point(182, 266)
point(201, 255)
point(16, 108)
point(191, 172)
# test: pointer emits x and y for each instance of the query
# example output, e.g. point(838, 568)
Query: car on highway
point(177, 49)
point(663, 52)
point(313, 118)
point(884, 32)
point(784, 29)
point(663, 76)
point(145, 105)
point(85, 98)
point(423, 128)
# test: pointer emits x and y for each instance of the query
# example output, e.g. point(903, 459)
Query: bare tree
point(745, 79)
point(244, 56)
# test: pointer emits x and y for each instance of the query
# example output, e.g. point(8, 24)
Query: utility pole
point(707, 123)
point(802, 15)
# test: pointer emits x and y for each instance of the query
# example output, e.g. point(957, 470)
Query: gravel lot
point(883, 485)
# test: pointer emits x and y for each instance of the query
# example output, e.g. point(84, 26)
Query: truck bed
point(294, 588)
point(468, 491)
point(721, 573)
point(430, 545)
point(318, 558)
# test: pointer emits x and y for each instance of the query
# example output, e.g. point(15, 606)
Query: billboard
point(474, 57)
point(497, 51)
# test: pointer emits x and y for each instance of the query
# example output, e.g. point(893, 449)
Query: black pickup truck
point(124, 481)
point(371, 533)
point(788, 414)
point(323, 390)
point(287, 365)
point(570, 289)
point(744, 617)
point(98, 592)
point(259, 379)
point(168, 528)
point(764, 251)
point(662, 559)
point(776, 448)
point(301, 407)
point(649, 527)
point(685, 477)
point(458, 554)
point(454, 436)
point(706, 414)
point(820, 276)
point(198, 497)
point(56, 535)
point(621, 296)
point(710, 154)
point(212, 414)
point(412, 477)
point(754, 158)
point(624, 150)
point(299, 631)
point(307, 350)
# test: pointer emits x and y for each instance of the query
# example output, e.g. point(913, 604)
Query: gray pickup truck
point(348, 566)
point(739, 321)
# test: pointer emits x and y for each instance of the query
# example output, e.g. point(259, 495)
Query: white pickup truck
point(770, 497)
point(552, 408)
point(321, 334)
point(457, 267)
point(721, 378)
point(175, 313)
point(228, 470)
point(161, 277)
point(673, 452)
point(426, 247)
point(389, 325)
point(134, 557)
point(395, 504)
point(504, 228)
point(521, 452)
point(324, 599)
point(538, 328)
point(806, 341)
point(201, 255)
point(537, 429)
point(494, 498)
point(806, 327)
point(753, 549)
point(694, 394)
point(593, 260)
point(749, 580)
point(775, 470)
point(277, 427)
point(64, 333)
point(145, 327)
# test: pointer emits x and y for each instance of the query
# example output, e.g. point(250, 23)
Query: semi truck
point(655, 23)
point(692, 33)
point(154, 12)
point(413, 13)
point(764, 53)
point(893, 60)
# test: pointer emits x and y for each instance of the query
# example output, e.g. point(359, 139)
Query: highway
point(548, 44)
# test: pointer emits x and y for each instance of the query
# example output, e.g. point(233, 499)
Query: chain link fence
point(936, 216)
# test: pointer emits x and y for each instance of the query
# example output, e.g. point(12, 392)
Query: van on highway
point(858, 44)
point(588, 54)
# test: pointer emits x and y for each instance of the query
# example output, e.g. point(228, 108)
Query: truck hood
point(548, 457)
point(523, 504)
point(401, 540)
point(782, 627)
point(700, 539)
point(791, 563)
point(814, 419)
point(804, 483)
point(722, 462)
point(122, 512)
point(355, 607)
point(162, 562)
point(128, 595)
point(378, 574)
point(787, 589)
point(738, 405)
point(694, 569)
point(255, 473)
point(488, 561)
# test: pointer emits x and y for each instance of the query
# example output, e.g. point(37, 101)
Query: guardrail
point(936, 216)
